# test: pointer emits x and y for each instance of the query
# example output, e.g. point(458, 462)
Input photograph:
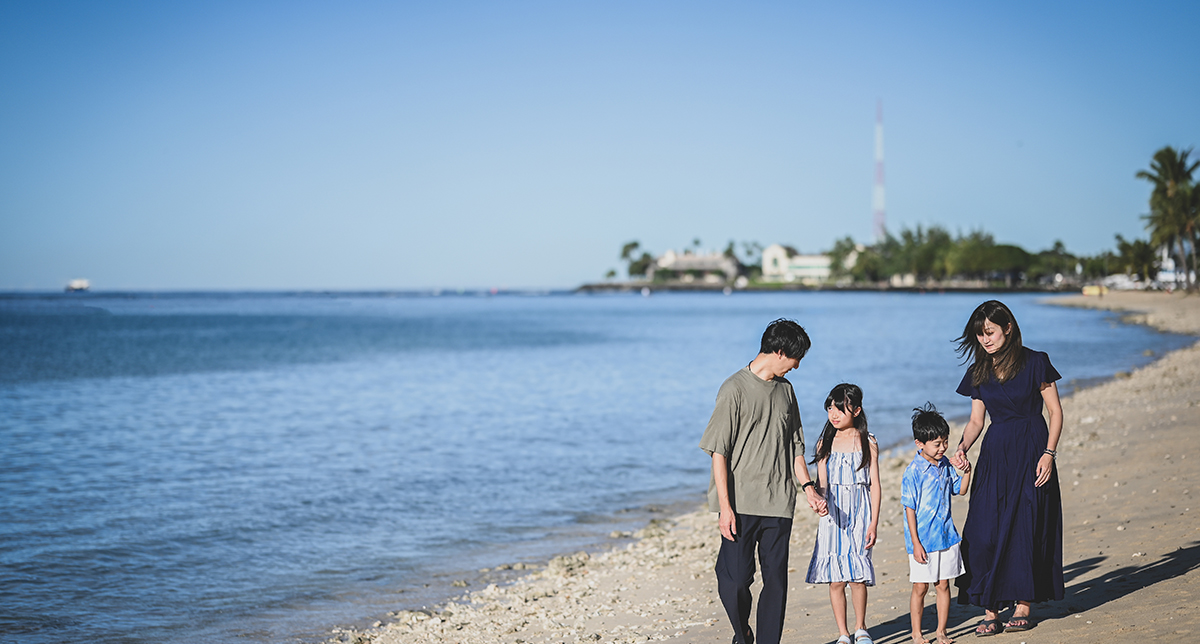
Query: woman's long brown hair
point(1008, 361)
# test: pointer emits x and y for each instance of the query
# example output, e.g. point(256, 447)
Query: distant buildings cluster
point(786, 264)
point(780, 264)
point(972, 261)
point(687, 267)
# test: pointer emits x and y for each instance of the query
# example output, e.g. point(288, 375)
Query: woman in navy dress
point(1012, 538)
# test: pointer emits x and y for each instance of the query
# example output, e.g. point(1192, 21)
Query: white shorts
point(943, 564)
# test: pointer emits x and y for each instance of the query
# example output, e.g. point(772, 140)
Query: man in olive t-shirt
point(757, 447)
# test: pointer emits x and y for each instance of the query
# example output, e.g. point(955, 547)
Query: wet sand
point(1128, 464)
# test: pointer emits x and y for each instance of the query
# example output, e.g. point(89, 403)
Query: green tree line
point(933, 253)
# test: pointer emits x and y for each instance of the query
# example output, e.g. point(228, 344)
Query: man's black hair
point(928, 424)
point(786, 336)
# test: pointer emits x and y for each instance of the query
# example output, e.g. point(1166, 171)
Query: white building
point(710, 267)
point(786, 264)
point(1167, 275)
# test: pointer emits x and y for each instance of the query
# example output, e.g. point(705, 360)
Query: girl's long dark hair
point(1008, 361)
point(847, 398)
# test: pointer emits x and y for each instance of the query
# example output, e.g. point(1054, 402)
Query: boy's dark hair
point(928, 424)
point(785, 336)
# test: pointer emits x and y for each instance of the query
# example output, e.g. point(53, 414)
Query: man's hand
point(919, 552)
point(816, 501)
point(727, 523)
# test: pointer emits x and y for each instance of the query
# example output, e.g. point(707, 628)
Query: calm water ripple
point(220, 468)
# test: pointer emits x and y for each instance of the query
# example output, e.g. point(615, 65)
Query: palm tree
point(1191, 202)
point(1172, 220)
point(1136, 257)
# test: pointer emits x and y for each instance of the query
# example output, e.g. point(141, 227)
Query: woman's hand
point(959, 457)
point(816, 501)
point(870, 542)
point(1044, 467)
point(961, 464)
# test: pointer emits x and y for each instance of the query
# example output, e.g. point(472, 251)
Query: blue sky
point(260, 145)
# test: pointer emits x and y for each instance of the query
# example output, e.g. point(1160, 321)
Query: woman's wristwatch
point(1051, 452)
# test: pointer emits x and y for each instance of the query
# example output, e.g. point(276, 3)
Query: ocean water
point(263, 467)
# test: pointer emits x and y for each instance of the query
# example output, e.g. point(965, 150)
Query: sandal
point(989, 627)
point(862, 637)
point(845, 639)
point(1017, 624)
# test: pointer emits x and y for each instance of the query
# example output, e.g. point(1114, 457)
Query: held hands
point(816, 501)
point(961, 464)
point(959, 460)
point(1045, 466)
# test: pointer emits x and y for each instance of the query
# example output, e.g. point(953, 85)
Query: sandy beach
point(1127, 463)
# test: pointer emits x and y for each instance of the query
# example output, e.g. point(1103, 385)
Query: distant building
point(786, 264)
point(1167, 275)
point(687, 267)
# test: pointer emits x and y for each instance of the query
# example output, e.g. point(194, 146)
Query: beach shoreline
point(1131, 548)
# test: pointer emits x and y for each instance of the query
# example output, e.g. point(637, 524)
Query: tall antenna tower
point(880, 227)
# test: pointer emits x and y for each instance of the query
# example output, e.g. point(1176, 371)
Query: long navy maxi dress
point(1012, 537)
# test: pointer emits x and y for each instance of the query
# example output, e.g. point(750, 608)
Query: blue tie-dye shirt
point(927, 488)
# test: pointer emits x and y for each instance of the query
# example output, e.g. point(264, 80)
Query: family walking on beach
point(1010, 550)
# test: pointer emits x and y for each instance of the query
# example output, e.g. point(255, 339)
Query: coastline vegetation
point(927, 256)
point(1174, 215)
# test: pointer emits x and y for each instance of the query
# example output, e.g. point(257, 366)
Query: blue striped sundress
point(839, 554)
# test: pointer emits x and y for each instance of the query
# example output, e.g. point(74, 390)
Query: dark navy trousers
point(735, 572)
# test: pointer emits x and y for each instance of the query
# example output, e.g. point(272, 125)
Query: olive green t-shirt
point(756, 426)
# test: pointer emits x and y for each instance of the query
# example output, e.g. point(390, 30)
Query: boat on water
point(75, 286)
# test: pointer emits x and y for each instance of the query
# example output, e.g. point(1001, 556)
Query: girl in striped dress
point(847, 460)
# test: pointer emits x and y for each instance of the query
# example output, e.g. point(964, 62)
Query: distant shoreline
point(600, 288)
point(634, 287)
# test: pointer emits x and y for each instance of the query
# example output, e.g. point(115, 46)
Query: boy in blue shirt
point(929, 534)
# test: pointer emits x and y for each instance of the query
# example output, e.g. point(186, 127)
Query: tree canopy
point(1174, 215)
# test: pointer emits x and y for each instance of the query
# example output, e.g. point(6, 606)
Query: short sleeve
point(795, 426)
point(1044, 372)
point(965, 388)
point(955, 479)
point(908, 489)
point(718, 435)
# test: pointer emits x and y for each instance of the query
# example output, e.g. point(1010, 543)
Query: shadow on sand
point(1083, 593)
